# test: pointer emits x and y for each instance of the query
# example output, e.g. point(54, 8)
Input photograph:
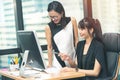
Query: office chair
point(119, 56)
point(112, 46)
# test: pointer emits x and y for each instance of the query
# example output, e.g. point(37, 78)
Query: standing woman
point(90, 52)
point(61, 35)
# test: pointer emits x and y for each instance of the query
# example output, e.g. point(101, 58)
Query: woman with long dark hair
point(90, 52)
point(61, 34)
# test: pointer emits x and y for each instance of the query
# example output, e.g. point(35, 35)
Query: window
point(7, 25)
point(7, 29)
point(108, 12)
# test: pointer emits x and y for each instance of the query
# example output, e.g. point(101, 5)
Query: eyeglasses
point(53, 17)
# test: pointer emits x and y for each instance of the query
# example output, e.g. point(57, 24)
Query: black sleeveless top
point(55, 28)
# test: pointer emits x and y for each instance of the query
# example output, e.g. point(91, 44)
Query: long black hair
point(89, 23)
point(56, 6)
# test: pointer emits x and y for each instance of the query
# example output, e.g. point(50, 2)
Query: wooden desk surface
point(66, 75)
point(43, 76)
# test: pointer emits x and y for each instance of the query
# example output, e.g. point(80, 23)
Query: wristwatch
point(76, 69)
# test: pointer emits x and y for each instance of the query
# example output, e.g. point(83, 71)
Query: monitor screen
point(28, 41)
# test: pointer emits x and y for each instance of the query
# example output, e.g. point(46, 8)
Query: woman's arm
point(49, 45)
point(75, 28)
point(94, 72)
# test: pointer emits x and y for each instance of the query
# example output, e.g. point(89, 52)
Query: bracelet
point(76, 69)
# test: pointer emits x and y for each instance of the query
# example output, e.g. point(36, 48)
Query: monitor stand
point(23, 64)
point(25, 70)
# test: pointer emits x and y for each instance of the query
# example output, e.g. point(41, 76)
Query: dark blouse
point(95, 51)
point(83, 61)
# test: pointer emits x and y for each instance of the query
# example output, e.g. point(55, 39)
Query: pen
point(16, 60)
point(9, 60)
point(55, 52)
point(13, 61)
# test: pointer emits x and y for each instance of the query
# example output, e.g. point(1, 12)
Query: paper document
point(52, 70)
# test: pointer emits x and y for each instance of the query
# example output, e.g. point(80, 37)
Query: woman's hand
point(48, 66)
point(67, 69)
point(64, 56)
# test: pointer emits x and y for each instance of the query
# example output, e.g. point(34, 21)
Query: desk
point(43, 76)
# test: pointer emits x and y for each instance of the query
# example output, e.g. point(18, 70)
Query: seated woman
point(90, 52)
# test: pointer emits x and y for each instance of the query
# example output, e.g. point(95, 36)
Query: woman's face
point(84, 33)
point(55, 16)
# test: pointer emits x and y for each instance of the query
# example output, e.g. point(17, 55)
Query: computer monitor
point(29, 41)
